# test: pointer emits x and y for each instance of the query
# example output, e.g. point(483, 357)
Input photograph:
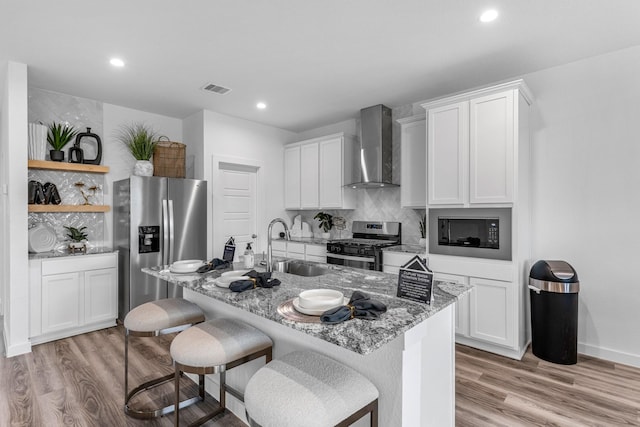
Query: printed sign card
point(415, 281)
point(229, 250)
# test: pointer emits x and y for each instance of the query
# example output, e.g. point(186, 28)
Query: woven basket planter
point(169, 159)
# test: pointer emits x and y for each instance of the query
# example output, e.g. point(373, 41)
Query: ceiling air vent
point(220, 90)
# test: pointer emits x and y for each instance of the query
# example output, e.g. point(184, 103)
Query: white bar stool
point(153, 319)
point(214, 347)
point(306, 388)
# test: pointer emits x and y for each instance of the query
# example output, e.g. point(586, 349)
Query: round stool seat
point(217, 342)
point(306, 388)
point(162, 314)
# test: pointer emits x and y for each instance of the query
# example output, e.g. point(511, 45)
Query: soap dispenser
point(248, 257)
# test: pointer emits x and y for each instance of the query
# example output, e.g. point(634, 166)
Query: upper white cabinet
point(292, 182)
point(316, 170)
point(413, 160)
point(472, 145)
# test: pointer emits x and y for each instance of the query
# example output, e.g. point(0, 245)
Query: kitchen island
point(408, 353)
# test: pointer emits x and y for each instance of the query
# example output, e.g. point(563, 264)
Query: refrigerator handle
point(165, 233)
point(171, 233)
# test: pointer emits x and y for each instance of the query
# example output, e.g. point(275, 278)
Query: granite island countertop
point(360, 336)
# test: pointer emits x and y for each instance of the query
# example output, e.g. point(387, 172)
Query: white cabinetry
point(299, 250)
point(492, 316)
point(72, 295)
point(462, 305)
point(413, 163)
point(309, 167)
point(292, 181)
point(316, 170)
point(492, 311)
point(472, 142)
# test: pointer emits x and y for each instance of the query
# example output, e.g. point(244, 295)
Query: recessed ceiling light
point(261, 105)
point(117, 62)
point(489, 15)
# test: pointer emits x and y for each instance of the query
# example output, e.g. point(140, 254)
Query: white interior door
point(235, 207)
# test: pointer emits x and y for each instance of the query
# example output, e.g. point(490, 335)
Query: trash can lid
point(554, 276)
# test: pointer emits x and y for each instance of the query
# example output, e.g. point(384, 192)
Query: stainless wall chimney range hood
point(375, 148)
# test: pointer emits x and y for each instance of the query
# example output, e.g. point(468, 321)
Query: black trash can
point(554, 288)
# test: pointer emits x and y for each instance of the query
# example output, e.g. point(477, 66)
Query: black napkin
point(360, 306)
point(257, 280)
point(214, 264)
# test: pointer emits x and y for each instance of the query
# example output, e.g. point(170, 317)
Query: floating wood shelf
point(67, 167)
point(69, 208)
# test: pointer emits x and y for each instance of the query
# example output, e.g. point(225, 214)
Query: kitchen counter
point(360, 336)
point(408, 353)
point(65, 253)
point(307, 240)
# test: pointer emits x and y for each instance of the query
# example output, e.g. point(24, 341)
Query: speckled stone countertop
point(360, 336)
point(412, 249)
point(59, 254)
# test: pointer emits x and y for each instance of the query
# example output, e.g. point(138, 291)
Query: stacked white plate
point(314, 302)
point(42, 238)
point(186, 266)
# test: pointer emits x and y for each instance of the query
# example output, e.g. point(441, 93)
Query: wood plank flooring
point(495, 391)
point(78, 381)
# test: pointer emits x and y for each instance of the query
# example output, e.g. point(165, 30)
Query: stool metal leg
point(220, 369)
point(128, 395)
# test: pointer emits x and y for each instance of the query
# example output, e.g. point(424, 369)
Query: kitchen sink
point(299, 268)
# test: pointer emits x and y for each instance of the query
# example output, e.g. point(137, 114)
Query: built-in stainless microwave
point(471, 232)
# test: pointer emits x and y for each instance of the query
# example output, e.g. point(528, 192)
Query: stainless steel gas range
point(364, 250)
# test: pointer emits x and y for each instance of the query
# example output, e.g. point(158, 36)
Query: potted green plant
point(58, 136)
point(423, 230)
point(326, 223)
point(141, 140)
point(78, 238)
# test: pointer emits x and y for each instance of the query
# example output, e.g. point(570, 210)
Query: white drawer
point(78, 263)
point(317, 250)
point(296, 248)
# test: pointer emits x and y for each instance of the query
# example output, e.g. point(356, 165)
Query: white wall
point(350, 127)
point(586, 192)
point(117, 156)
point(13, 209)
point(230, 137)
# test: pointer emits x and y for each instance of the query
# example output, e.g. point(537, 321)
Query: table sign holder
point(415, 281)
point(229, 250)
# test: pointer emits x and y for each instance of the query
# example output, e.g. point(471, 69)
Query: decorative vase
point(326, 235)
point(422, 241)
point(56, 155)
point(37, 141)
point(143, 168)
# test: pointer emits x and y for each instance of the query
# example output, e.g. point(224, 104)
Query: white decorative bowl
point(186, 266)
point(320, 299)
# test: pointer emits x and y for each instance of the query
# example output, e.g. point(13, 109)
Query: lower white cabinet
point(462, 305)
point(491, 316)
point(72, 295)
point(492, 311)
point(299, 250)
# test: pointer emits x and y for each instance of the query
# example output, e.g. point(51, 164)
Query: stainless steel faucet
point(269, 251)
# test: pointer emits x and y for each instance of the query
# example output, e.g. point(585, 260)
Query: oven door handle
point(352, 258)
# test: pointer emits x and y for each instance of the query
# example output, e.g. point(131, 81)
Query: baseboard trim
point(491, 348)
point(610, 355)
point(14, 349)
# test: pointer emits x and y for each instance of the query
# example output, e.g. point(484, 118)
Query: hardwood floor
point(79, 381)
point(495, 391)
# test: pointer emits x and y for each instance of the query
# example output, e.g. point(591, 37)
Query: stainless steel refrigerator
point(156, 221)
